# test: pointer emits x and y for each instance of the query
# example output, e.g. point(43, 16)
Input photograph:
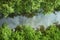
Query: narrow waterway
point(34, 22)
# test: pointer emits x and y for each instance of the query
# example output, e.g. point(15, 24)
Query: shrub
point(28, 33)
point(5, 32)
point(27, 7)
point(52, 33)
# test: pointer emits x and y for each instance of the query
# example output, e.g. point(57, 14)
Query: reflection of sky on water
point(58, 17)
point(35, 21)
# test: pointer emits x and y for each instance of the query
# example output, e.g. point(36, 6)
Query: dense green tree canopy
point(28, 6)
point(28, 33)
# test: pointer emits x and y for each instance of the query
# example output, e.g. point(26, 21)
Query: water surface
point(34, 22)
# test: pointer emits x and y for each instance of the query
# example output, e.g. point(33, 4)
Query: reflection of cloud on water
point(35, 21)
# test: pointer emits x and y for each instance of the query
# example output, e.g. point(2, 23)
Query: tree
point(5, 32)
point(28, 7)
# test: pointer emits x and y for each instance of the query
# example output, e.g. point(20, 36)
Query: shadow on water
point(34, 21)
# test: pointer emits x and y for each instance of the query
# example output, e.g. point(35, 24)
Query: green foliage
point(52, 33)
point(28, 33)
point(17, 36)
point(6, 7)
point(49, 6)
point(5, 32)
point(28, 6)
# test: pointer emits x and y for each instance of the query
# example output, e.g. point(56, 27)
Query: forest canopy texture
point(28, 33)
point(28, 7)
